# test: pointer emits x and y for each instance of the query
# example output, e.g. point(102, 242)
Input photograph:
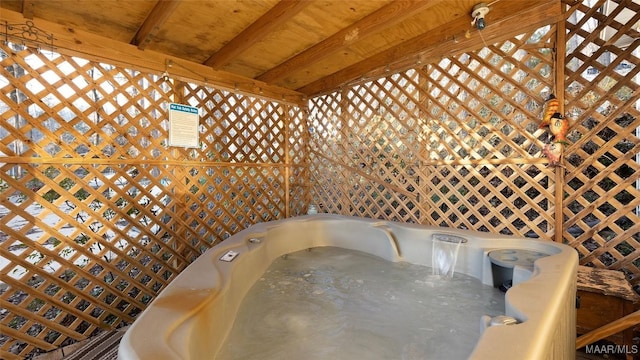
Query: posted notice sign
point(184, 121)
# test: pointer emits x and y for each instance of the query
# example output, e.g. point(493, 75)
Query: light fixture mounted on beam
point(478, 13)
point(165, 76)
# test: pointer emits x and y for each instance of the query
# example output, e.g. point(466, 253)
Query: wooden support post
point(287, 160)
point(424, 134)
point(178, 91)
point(560, 55)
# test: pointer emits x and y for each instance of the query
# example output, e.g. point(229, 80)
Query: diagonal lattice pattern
point(455, 143)
point(370, 140)
point(493, 198)
point(485, 105)
point(100, 213)
point(296, 154)
point(602, 77)
point(238, 128)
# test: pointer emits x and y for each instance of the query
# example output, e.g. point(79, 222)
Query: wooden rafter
point(424, 47)
point(154, 21)
point(276, 16)
point(385, 17)
point(27, 9)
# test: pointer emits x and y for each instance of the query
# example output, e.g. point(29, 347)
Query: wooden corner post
point(560, 56)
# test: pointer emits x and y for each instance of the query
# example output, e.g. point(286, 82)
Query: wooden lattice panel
point(297, 156)
point(493, 198)
point(239, 128)
point(456, 143)
point(484, 106)
point(366, 149)
point(602, 178)
point(98, 213)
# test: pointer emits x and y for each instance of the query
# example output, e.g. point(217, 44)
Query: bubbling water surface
point(334, 303)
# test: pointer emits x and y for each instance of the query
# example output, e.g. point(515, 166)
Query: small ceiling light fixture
point(165, 75)
point(478, 13)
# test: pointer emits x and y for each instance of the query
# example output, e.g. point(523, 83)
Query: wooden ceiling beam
point(390, 14)
point(27, 9)
point(153, 22)
point(276, 16)
point(441, 42)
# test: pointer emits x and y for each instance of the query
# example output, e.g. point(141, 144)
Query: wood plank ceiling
point(287, 48)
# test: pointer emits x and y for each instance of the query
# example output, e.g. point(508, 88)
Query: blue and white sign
point(184, 122)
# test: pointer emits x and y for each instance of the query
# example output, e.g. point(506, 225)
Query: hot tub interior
point(333, 303)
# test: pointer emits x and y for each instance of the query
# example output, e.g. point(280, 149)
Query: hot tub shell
point(191, 318)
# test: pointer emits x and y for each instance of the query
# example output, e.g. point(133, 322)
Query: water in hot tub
point(333, 303)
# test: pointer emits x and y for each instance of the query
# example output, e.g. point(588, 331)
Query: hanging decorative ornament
point(553, 152)
point(551, 106)
point(559, 127)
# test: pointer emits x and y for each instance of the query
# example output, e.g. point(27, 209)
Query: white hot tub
point(192, 317)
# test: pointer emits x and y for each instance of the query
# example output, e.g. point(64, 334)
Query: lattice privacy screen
point(602, 202)
point(454, 143)
point(98, 214)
